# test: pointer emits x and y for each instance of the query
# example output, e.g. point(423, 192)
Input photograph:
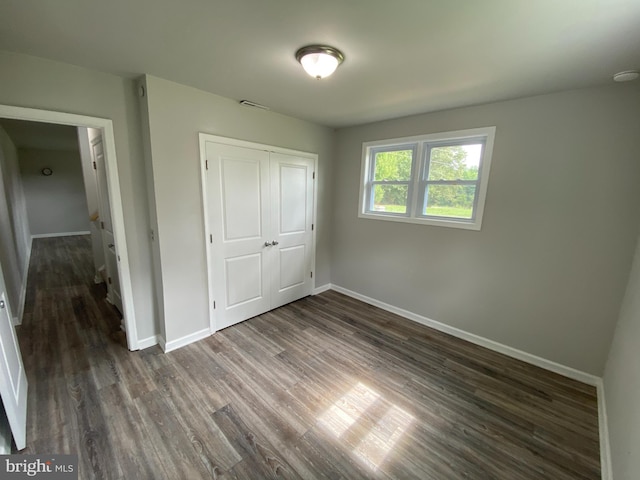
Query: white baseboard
point(589, 379)
point(321, 289)
point(477, 339)
point(148, 342)
point(61, 234)
point(603, 425)
point(186, 340)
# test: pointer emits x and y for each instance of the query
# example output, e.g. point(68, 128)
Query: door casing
point(115, 200)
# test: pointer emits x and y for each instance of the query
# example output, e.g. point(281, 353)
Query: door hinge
point(312, 227)
point(95, 166)
point(311, 274)
point(102, 225)
point(214, 304)
point(206, 164)
point(109, 279)
point(210, 238)
point(314, 175)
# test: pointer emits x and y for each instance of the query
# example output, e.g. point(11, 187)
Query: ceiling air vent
point(249, 103)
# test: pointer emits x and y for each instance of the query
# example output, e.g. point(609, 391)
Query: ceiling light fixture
point(627, 76)
point(319, 61)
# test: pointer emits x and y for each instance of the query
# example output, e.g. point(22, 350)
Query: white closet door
point(291, 227)
point(238, 196)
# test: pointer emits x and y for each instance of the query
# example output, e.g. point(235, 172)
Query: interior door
point(291, 225)
point(106, 225)
point(13, 379)
point(238, 206)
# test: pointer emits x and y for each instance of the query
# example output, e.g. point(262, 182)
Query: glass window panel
point(449, 201)
point(390, 198)
point(393, 166)
point(455, 162)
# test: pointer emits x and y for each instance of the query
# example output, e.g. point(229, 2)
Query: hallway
point(70, 335)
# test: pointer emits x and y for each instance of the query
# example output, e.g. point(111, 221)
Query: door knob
point(275, 242)
point(267, 244)
point(111, 245)
point(1, 303)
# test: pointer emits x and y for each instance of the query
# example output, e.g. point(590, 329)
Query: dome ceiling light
point(627, 76)
point(319, 61)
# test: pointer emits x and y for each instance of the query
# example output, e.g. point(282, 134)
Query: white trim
point(603, 424)
point(61, 234)
point(322, 289)
point(17, 320)
point(148, 342)
point(477, 339)
point(414, 182)
point(314, 221)
point(115, 199)
point(203, 138)
point(206, 137)
point(183, 341)
point(445, 222)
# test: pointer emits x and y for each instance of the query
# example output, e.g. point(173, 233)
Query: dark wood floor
point(327, 387)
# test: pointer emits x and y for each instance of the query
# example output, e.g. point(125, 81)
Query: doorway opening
point(111, 183)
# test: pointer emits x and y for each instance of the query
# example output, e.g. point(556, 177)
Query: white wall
point(176, 114)
point(37, 83)
point(56, 204)
point(622, 383)
point(14, 229)
point(156, 264)
point(547, 272)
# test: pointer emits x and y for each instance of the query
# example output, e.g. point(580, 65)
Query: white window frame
point(419, 173)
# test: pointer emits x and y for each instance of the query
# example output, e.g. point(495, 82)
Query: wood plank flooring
point(326, 387)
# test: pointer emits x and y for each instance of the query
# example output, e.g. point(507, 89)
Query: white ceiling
point(402, 56)
point(46, 136)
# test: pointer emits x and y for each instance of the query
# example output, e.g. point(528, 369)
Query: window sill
point(434, 222)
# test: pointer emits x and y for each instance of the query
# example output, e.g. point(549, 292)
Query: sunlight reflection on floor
point(379, 440)
point(343, 413)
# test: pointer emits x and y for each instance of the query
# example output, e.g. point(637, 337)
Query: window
point(436, 179)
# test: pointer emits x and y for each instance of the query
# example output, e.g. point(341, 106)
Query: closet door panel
point(292, 217)
point(239, 196)
point(243, 277)
point(292, 266)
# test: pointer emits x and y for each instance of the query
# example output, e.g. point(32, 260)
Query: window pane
point(450, 201)
point(390, 198)
point(393, 166)
point(459, 162)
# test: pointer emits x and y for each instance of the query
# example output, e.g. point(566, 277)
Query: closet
point(259, 207)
